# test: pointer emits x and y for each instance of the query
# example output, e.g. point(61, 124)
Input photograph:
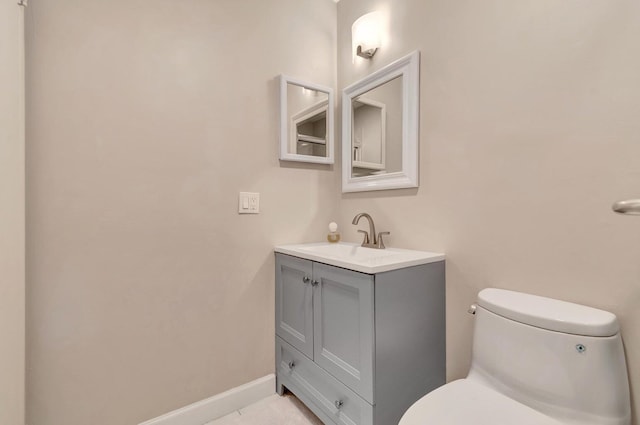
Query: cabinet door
point(294, 302)
point(344, 327)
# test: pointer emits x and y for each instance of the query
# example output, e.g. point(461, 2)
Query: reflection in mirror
point(369, 137)
point(307, 111)
point(377, 130)
point(380, 128)
point(306, 122)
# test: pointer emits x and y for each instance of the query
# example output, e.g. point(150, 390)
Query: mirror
point(306, 121)
point(380, 128)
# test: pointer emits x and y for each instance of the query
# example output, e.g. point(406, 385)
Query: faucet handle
point(366, 236)
point(380, 241)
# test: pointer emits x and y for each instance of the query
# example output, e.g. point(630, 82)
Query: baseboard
point(219, 405)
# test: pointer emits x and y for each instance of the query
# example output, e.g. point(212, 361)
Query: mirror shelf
point(380, 142)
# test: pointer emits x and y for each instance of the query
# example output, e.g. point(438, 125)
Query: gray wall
point(528, 132)
point(147, 290)
point(12, 192)
point(145, 121)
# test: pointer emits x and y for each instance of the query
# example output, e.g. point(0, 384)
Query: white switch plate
point(249, 203)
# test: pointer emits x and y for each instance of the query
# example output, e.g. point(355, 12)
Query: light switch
point(249, 203)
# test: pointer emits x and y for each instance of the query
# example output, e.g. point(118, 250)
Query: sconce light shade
point(365, 34)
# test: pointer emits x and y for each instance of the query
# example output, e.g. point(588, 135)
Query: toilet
point(535, 361)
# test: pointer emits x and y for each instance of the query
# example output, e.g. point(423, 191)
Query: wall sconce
point(365, 34)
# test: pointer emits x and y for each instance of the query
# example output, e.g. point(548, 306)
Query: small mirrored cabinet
point(380, 128)
point(306, 121)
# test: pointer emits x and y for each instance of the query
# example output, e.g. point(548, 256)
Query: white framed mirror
point(306, 121)
point(380, 128)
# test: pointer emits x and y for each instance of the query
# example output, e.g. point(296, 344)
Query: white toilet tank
point(563, 359)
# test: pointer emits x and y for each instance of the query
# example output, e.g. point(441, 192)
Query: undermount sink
point(355, 257)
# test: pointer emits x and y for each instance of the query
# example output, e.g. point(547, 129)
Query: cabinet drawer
point(310, 382)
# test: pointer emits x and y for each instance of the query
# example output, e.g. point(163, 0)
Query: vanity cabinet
point(359, 348)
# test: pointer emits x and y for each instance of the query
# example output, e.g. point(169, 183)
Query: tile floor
point(273, 410)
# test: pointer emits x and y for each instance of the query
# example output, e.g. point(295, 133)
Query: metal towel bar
point(630, 207)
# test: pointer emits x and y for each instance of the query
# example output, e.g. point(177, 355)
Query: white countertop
point(354, 257)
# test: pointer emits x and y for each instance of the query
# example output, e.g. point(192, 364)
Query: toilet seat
point(467, 402)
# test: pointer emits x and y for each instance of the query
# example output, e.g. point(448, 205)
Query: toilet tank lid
point(547, 313)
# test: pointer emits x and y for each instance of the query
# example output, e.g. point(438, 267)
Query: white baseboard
point(219, 405)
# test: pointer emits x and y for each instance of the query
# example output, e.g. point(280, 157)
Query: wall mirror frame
point(407, 71)
point(306, 121)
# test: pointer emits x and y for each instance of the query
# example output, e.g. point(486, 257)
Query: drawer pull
point(306, 279)
point(291, 365)
point(314, 283)
point(339, 404)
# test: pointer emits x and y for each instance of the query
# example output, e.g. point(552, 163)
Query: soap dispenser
point(334, 235)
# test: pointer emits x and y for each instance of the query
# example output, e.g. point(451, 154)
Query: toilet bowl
point(535, 361)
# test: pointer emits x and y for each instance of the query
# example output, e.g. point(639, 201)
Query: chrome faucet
point(371, 239)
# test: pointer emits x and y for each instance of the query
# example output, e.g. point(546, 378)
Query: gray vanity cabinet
point(357, 348)
point(327, 314)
